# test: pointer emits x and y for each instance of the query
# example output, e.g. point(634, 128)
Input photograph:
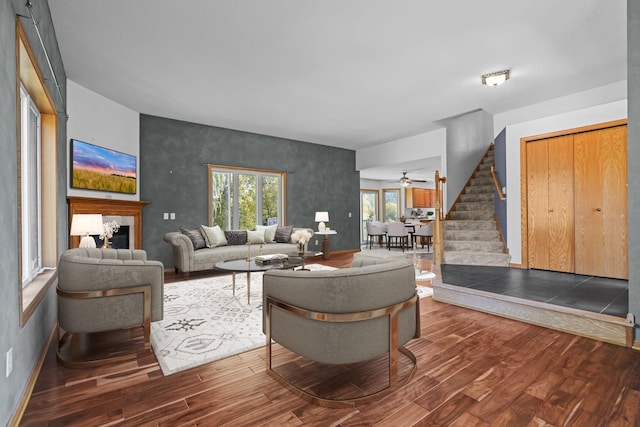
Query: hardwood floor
point(474, 369)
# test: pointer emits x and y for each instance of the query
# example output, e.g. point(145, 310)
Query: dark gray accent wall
point(29, 340)
point(500, 167)
point(633, 144)
point(173, 178)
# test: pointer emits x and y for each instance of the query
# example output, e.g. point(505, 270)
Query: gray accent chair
point(105, 290)
point(343, 316)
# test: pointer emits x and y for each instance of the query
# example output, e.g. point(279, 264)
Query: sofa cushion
point(283, 233)
point(195, 236)
point(269, 232)
point(236, 237)
point(255, 236)
point(213, 236)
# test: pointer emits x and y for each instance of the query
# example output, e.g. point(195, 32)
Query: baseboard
point(26, 396)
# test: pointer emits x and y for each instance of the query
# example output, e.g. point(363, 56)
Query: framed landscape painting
point(102, 169)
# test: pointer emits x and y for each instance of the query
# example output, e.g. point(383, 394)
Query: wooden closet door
point(550, 204)
point(601, 202)
point(561, 204)
point(538, 204)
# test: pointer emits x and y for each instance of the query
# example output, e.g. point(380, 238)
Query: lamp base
point(321, 226)
point(87, 242)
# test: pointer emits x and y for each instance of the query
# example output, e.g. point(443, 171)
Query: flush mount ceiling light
point(495, 79)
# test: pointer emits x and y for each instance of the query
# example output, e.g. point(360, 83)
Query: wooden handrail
point(438, 247)
point(497, 184)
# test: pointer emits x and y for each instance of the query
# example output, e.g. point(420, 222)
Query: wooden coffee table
point(244, 266)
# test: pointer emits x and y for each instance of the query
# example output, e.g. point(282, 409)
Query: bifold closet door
point(550, 204)
point(601, 202)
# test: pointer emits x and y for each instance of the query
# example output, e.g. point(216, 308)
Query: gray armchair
point(103, 290)
point(343, 316)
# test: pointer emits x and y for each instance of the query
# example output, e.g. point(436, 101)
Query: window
point(30, 185)
point(391, 204)
point(37, 180)
point(368, 210)
point(242, 198)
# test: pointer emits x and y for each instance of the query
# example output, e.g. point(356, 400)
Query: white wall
point(100, 121)
point(422, 146)
point(597, 106)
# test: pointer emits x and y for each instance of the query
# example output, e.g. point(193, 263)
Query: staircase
point(471, 233)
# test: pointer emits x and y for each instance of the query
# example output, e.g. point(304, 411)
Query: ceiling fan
point(405, 181)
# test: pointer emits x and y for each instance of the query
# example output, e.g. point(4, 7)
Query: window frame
point(30, 149)
point(28, 74)
point(384, 203)
point(376, 216)
point(233, 217)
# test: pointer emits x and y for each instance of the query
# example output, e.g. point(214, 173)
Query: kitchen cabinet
point(419, 197)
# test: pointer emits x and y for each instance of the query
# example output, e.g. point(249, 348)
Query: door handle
point(599, 209)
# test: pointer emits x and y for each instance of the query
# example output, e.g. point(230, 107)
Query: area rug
point(204, 322)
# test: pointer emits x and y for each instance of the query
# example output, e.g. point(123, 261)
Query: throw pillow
point(196, 238)
point(236, 237)
point(269, 232)
point(256, 236)
point(213, 236)
point(283, 233)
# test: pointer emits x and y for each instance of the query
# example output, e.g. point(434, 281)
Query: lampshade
point(495, 79)
point(85, 225)
point(321, 217)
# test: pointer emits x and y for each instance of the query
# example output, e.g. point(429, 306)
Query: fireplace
point(121, 239)
point(127, 213)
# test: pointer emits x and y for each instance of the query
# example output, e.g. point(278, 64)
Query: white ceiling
point(344, 73)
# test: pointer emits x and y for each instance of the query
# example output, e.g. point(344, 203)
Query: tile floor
point(595, 294)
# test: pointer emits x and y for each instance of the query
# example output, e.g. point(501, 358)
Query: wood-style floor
point(474, 369)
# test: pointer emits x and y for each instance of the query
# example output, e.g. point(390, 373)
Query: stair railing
point(497, 184)
point(438, 247)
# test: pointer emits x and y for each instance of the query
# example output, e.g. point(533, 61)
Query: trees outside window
point(391, 206)
point(242, 199)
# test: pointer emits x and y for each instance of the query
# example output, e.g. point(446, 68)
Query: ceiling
point(349, 74)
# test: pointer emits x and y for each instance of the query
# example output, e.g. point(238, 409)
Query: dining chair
point(375, 229)
point(397, 235)
point(424, 232)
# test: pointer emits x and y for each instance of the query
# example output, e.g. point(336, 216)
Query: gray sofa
point(186, 259)
point(343, 316)
point(106, 289)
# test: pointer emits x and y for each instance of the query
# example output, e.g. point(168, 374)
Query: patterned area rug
point(204, 322)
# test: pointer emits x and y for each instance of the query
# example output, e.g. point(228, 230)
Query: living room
point(173, 155)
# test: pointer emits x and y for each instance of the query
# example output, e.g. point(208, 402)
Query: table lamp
point(85, 225)
point(321, 217)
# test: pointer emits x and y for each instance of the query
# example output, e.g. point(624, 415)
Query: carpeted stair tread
point(469, 225)
point(491, 235)
point(471, 235)
point(474, 246)
point(477, 258)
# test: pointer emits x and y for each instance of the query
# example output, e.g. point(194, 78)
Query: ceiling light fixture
point(495, 79)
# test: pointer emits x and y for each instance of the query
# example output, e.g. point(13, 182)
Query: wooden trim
point(524, 206)
point(283, 178)
point(28, 73)
point(497, 184)
point(564, 132)
point(524, 218)
point(597, 326)
point(107, 207)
